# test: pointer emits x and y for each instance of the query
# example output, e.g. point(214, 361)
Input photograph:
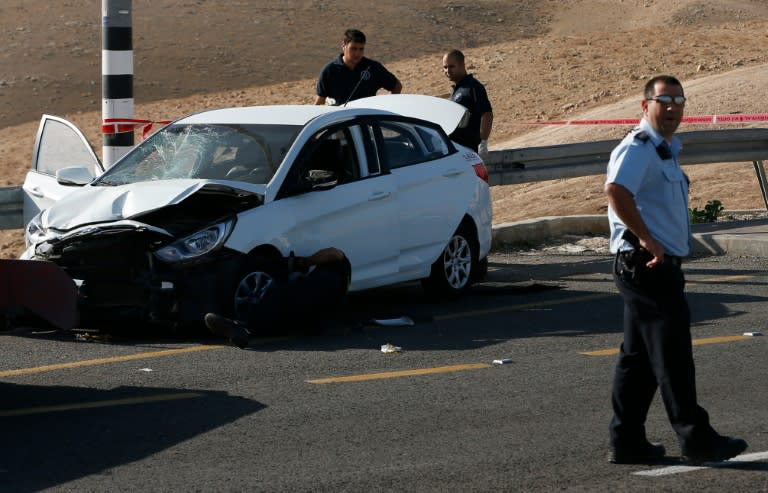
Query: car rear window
point(409, 143)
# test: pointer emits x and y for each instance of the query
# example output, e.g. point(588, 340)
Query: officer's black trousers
point(656, 353)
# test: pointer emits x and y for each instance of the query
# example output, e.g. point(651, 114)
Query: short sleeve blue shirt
point(659, 187)
point(344, 84)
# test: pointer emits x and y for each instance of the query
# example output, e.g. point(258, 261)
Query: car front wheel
point(254, 278)
point(452, 272)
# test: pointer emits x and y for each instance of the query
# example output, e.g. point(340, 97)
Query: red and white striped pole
point(116, 75)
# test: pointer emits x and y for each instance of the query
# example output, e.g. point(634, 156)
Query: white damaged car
point(167, 233)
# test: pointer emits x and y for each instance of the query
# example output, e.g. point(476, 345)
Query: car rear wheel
point(453, 271)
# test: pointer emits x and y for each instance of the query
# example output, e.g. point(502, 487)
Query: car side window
point(409, 143)
point(329, 159)
point(333, 151)
point(63, 148)
point(434, 142)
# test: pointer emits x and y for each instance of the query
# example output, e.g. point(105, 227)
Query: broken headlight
point(196, 244)
point(35, 232)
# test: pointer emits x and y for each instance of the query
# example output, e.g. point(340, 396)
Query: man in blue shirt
point(471, 94)
point(648, 214)
point(353, 76)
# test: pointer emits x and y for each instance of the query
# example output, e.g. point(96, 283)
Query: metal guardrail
point(591, 158)
point(11, 207)
point(532, 164)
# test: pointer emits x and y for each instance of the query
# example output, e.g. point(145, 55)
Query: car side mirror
point(74, 176)
point(321, 179)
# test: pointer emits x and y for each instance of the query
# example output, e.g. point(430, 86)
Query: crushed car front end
point(165, 266)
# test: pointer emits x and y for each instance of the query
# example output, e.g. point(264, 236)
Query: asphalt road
point(334, 413)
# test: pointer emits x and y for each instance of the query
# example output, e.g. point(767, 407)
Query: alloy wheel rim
point(457, 262)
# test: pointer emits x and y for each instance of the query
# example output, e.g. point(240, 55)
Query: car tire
point(455, 269)
point(253, 263)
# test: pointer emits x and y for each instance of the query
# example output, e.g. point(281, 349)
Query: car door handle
point(36, 192)
point(378, 196)
point(452, 172)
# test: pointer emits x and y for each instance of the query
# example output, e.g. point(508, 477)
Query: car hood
point(99, 204)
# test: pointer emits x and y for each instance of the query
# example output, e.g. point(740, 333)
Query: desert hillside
point(540, 60)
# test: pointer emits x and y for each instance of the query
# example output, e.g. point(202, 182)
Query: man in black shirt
point(353, 76)
point(295, 293)
point(470, 93)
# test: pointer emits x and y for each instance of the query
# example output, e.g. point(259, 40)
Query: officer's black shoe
point(721, 448)
point(233, 330)
point(646, 453)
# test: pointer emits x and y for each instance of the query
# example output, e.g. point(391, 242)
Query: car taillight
point(481, 171)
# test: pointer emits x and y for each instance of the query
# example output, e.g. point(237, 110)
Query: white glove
point(482, 149)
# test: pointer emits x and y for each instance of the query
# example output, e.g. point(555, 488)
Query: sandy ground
point(541, 60)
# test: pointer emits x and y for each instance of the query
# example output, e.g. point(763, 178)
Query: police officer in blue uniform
point(353, 76)
point(470, 93)
point(648, 213)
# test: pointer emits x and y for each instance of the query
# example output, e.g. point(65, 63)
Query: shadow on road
point(552, 297)
point(51, 435)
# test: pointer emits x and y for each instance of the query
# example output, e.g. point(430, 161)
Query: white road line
point(665, 471)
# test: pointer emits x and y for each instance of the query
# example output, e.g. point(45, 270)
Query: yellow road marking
point(98, 404)
point(172, 352)
point(400, 373)
point(716, 279)
point(696, 342)
point(601, 352)
point(104, 361)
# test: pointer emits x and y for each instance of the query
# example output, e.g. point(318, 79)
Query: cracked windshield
point(246, 153)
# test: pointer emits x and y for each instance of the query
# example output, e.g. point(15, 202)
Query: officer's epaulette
point(662, 150)
point(642, 136)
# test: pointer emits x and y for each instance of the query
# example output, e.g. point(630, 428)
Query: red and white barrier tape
point(703, 119)
point(119, 125)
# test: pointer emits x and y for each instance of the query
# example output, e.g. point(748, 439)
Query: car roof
point(299, 115)
point(444, 112)
point(276, 114)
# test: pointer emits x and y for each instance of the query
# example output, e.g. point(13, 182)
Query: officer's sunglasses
point(667, 100)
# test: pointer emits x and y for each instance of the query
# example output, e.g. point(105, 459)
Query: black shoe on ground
point(233, 330)
point(722, 448)
point(647, 453)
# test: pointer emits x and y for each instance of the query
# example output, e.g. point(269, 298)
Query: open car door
point(59, 145)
